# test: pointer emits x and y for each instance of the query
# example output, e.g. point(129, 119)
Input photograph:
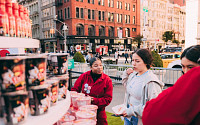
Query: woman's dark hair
point(146, 56)
point(192, 53)
point(92, 60)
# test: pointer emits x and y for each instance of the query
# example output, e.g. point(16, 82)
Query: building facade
point(161, 16)
point(192, 23)
point(98, 22)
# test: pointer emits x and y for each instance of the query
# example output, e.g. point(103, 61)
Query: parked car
point(167, 58)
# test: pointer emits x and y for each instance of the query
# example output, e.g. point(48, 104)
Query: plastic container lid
point(88, 107)
point(85, 114)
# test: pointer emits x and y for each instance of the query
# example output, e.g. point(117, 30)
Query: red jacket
point(179, 104)
point(101, 90)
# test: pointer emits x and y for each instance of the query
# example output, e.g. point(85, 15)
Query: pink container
point(84, 122)
point(86, 115)
point(89, 107)
point(81, 101)
point(74, 96)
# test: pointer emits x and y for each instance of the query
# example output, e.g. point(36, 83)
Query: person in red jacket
point(179, 104)
point(101, 88)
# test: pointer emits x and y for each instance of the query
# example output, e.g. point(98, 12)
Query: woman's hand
point(124, 114)
point(129, 71)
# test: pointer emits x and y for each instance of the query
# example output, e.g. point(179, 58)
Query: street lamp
point(65, 28)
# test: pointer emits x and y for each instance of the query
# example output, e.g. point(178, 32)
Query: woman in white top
point(141, 86)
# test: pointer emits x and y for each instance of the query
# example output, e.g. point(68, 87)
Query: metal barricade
point(168, 75)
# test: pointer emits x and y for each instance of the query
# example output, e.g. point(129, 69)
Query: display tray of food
point(54, 113)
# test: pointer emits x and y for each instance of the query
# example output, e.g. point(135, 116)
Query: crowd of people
point(146, 102)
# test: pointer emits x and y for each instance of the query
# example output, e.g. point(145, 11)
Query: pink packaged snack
point(53, 93)
point(63, 86)
point(16, 107)
point(12, 74)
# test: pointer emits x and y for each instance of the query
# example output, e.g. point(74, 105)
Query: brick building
point(98, 22)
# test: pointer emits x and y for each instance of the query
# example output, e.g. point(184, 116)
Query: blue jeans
point(133, 121)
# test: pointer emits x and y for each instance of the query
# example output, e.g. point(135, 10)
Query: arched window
point(101, 31)
point(91, 30)
point(111, 31)
point(80, 30)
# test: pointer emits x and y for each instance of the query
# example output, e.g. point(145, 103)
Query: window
point(99, 15)
point(82, 16)
point(65, 1)
point(58, 14)
point(125, 6)
point(81, 0)
point(77, 12)
point(117, 17)
point(93, 14)
point(125, 18)
point(120, 18)
point(102, 3)
point(88, 1)
point(108, 16)
point(112, 3)
point(91, 30)
point(133, 19)
point(108, 3)
point(99, 2)
point(80, 30)
point(128, 19)
point(133, 8)
point(101, 31)
point(134, 29)
point(118, 4)
point(61, 14)
point(103, 16)
point(112, 17)
point(77, 0)
point(128, 7)
point(89, 15)
point(65, 13)
point(68, 11)
point(92, 1)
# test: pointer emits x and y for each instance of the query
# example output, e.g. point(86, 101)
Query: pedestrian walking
point(126, 57)
point(179, 104)
point(101, 88)
point(116, 56)
point(131, 55)
point(141, 86)
point(88, 57)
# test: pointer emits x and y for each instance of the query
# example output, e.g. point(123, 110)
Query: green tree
point(78, 57)
point(168, 35)
point(183, 41)
point(138, 39)
point(176, 41)
point(157, 61)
